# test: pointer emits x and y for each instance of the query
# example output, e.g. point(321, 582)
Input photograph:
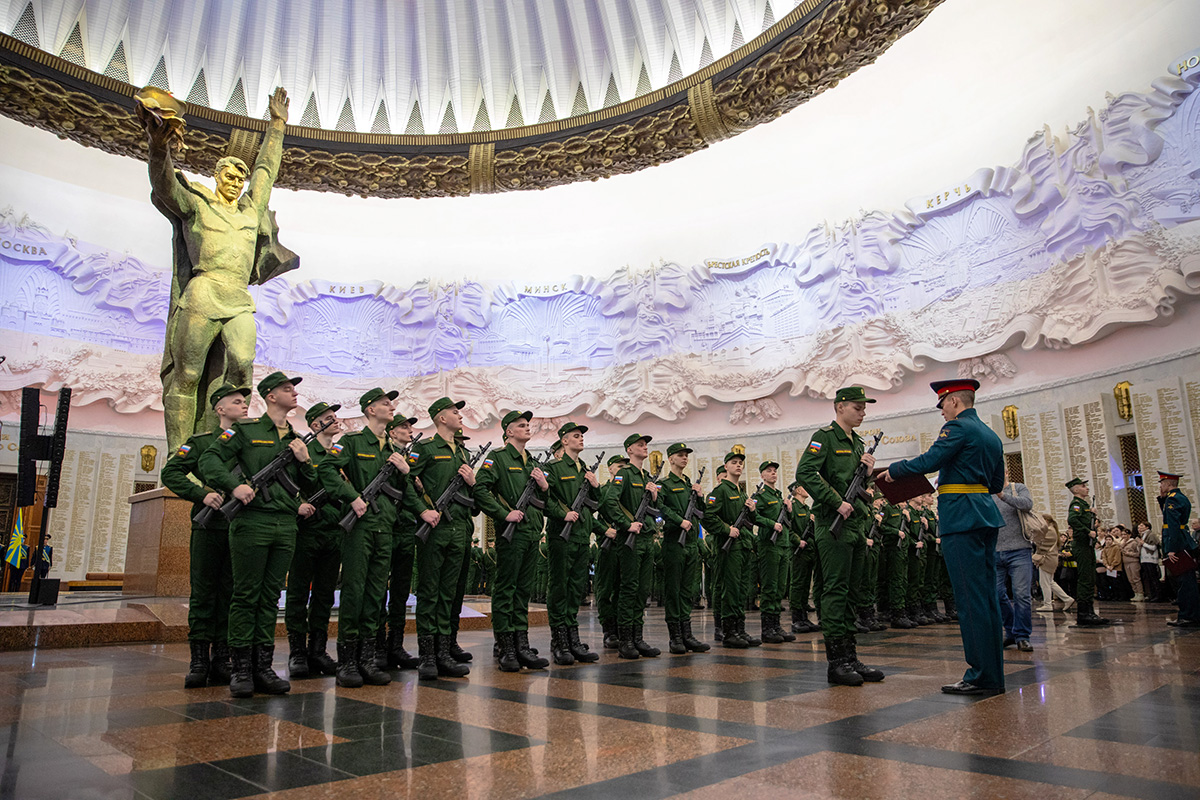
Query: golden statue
point(224, 241)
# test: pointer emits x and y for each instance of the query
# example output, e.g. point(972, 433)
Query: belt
point(963, 488)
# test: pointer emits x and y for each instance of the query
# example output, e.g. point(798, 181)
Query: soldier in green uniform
point(473, 569)
point(680, 561)
point(502, 478)
point(722, 509)
point(263, 535)
point(866, 620)
point(750, 572)
point(543, 570)
point(209, 568)
point(434, 462)
point(1083, 524)
point(970, 461)
point(934, 565)
point(633, 571)
point(367, 549)
point(389, 638)
point(1177, 542)
point(825, 471)
point(313, 575)
point(607, 565)
point(916, 565)
point(893, 567)
point(568, 561)
point(773, 548)
point(806, 566)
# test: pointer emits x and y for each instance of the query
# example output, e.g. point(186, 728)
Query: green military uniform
point(772, 557)
point(870, 579)
point(806, 568)
point(1082, 522)
point(607, 575)
point(680, 561)
point(722, 508)
point(916, 568)
point(473, 570)
point(893, 567)
point(935, 567)
point(750, 572)
point(542, 571)
point(489, 569)
point(389, 638)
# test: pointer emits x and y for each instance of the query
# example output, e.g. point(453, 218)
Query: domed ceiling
point(421, 99)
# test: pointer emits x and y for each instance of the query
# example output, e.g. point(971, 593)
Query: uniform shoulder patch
point(618, 478)
point(183, 450)
point(226, 435)
point(487, 463)
point(827, 428)
point(337, 448)
point(814, 446)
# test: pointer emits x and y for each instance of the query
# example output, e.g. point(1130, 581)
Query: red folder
point(902, 489)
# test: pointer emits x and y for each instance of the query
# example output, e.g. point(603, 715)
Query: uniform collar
point(840, 432)
point(438, 441)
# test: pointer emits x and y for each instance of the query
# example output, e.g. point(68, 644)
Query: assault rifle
point(644, 509)
point(274, 473)
point(807, 535)
point(380, 484)
point(205, 516)
point(582, 499)
point(453, 494)
point(694, 511)
point(856, 490)
point(742, 521)
point(528, 497)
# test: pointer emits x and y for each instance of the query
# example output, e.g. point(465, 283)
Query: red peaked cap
point(944, 388)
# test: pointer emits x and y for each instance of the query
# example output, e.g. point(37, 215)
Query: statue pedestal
point(158, 553)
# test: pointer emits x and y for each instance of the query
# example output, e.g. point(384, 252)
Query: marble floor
point(1089, 714)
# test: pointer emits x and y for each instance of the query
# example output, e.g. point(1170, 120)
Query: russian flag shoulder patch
point(226, 434)
point(337, 448)
point(183, 450)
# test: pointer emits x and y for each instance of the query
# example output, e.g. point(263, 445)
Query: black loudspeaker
point(58, 446)
point(32, 447)
point(45, 592)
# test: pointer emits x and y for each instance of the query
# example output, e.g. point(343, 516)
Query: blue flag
point(17, 553)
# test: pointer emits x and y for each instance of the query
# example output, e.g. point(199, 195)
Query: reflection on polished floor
point(1089, 714)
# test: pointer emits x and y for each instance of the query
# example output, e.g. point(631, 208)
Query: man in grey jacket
point(1014, 562)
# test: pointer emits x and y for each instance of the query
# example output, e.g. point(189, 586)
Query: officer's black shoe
point(347, 667)
point(456, 652)
point(266, 680)
point(691, 642)
point(197, 677)
point(611, 640)
point(718, 627)
point(219, 669)
point(397, 655)
point(427, 657)
point(731, 638)
point(675, 643)
point(769, 636)
point(644, 648)
point(626, 649)
point(1183, 623)
point(840, 671)
point(241, 682)
point(899, 620)
point(579, 649)
point(368, 667)
point(753, 641)
point(528, 658)
point(560, 647)
point(962, 687)
point(447, 666)
point(319, 662)
point(297, 655)
point(1092, 621)
point(869, 674)
point(507, 646)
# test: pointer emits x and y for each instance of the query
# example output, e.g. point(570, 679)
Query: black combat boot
point(456, 652)
point(507, 646)
point(297, 656)
point(645, 649)
point(839, 670)
point(319, 662)
point(900, 620)
point(241, 682)
point(1086, 617)
point(874, 622)
point(626, 649)
point(368, 665)
point(800, 623)
point(718, 627)
point(447, 665)
point(397, 655)
point(862, 621)
point(580, 650)
point(780, 630)
point(611, 639)
point(951, 609)
point(931, 611)
point(219, 670)
point(769, 636)
point(560, 647)
point(528, 658)
point(198, 667)
point(918, 616)
point(690, 641)
point(675, 643)
point(427, 657)
point(850, 650)
point(266, 681)
point(380, 649)
point(731, 637)
point(347, 668)
point(753, 641)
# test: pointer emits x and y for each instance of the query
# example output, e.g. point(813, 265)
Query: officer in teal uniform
point(1177, 542)
point(969, 458)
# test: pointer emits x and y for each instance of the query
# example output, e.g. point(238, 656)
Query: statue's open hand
point(278, 104)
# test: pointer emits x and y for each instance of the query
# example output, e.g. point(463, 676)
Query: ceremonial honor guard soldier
point(1083, 524)
point(826, 470)
point(209, 569)
point(1177, 543)
point(389, 644)
point(435, 461)
point(969, 458)
point(262, 536)
point(722, 509)
point(501, 480)
point(681, 560)
point(315, 564)
point(633, 576)
point(806, 567)
point(568, 560)
point(606, 581)
point(773, 548)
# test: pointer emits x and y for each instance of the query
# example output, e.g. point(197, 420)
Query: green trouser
point(1085, 559)
point(750, 574)
point(916, 577)
point(260, 552)
point(945, 590)
point(893, 574)
point(460, 588)
point(681, 574)
point(606, 583)
point(212, 585)
point(312, 580)
point(772, 559)
point(404, 554)
point(633, 579)
point(366, 561)
point(805, 567)
point(842, 561)
point(731, 581)
point(870, 577)
point(645, 546)
point(568, 565)
point(439, 562)
point(933, 575)
point(515, 567)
